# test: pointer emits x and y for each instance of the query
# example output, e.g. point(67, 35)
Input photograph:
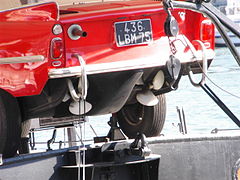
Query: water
point(202, 114)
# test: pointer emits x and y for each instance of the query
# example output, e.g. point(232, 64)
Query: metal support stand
point(182, 124)
point(220, 104)
point(115, 132)
point(24, 147)
point(71, 132)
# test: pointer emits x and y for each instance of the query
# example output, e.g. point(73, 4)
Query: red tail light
point(56, 48)
point(207, 32)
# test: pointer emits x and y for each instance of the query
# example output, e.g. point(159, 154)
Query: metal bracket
point(139, 147)
point(204, 68)
point(79, 104)
point(82, 83)
point(171, 27)
point(167, 4)
point(32, 140)
point(143, 150)
point(52, 140)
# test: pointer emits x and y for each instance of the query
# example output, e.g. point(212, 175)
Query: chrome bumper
point(139, 63)
point(65, 72)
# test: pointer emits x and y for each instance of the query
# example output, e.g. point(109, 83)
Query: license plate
point(133, 32)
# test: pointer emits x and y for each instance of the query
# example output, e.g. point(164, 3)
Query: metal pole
point(71, 132)
point(220, 104)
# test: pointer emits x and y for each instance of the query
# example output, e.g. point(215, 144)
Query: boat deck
point(214, 156)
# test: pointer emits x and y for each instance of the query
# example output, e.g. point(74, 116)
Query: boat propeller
point(147, 98)
point(79, 105)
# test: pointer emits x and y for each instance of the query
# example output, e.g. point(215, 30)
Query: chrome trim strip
point(120, 66)
point(64, 72)
point(152, 60)
point(24, 59)
point(108, 67)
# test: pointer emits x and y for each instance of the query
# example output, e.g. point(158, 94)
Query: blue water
point(202, 114)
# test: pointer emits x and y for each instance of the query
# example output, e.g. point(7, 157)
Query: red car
point(118, 57)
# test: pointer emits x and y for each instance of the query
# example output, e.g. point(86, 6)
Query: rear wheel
point(10, 125)
point(136, 118)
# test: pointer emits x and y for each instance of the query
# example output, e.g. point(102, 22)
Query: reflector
point(57, 29)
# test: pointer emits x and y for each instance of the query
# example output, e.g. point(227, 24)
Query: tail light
point(207, 32)
point(56, 48)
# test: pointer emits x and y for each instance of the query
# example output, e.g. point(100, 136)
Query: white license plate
point(133, 32)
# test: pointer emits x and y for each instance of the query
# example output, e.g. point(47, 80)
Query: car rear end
point(116, 36)
point(110, 38)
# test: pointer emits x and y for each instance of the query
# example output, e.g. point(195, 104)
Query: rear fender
point(25, 34)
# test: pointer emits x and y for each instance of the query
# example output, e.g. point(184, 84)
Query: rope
point(81, 97)
point(215, 84)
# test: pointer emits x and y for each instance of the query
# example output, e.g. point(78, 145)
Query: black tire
point(153, 118)
point(10, 125)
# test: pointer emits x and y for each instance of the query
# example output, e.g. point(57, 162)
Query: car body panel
point(98, 19)
point(26, 32)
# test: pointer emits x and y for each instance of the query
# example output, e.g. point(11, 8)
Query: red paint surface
point(28, 31)
point(98, 21)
